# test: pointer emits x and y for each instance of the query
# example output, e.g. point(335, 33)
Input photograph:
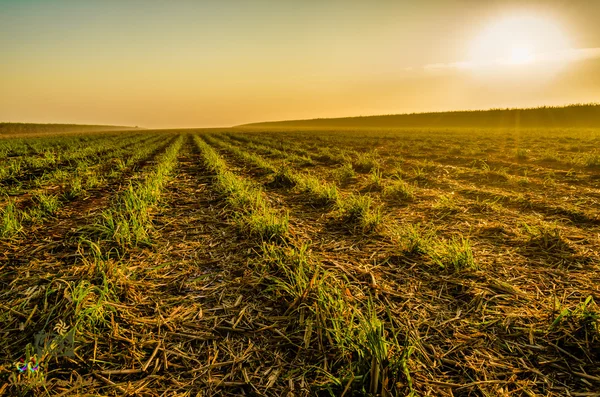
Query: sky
point(179, 64)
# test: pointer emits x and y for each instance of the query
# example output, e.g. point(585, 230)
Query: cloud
point(453, 65)
point(563, 56)
point(570, 55)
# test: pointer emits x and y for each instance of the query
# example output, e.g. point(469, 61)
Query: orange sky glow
point(186, 64)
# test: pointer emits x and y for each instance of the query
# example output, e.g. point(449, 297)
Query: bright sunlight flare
point(520, 55)
point(516, 40)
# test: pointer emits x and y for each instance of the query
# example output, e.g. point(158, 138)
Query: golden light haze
point(201, 64)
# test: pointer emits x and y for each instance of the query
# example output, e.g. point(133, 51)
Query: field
point(442, 262)
point(32, 129)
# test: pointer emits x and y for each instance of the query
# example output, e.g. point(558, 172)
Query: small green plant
point(446, 205)
point(420, 174)
point(296, 267)
point(114, 226)
point(365, 162)
point(74, 189)
point(454, 254)
point(101, 264)
point(11, 170)
point(591, 160)
point(120, 165)
point(330, 319)
point(585, 318)
point(359, 210)
point(549, 180)
point(378, 352)
point(414, 239)
point(48, 204)
point(500, 175)
point(304, 160)
point(428, 165)
point(485, 206)
point(284, 177)
point(480, 164)
point(456, 150)
point(50, 157)
point(550, 156)
point(327, 156)
point(92, 181)
point(266, 223)
point(399, 190)
point(322, 193)
point(10, 220)
point(521, 154)
point(376, 180)
point(345, 173)
point(55, 176)
point(546, 236)
point(92, 304)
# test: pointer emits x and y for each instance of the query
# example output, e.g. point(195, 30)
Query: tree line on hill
point(578, 115)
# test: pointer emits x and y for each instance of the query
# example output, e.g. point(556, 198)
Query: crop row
point(360, 212)
point(129, 219)
point(461, 145)
point(291, 151)
point(118, 157)
point(356, 209)
point(86, 294)
point(324, 317)
point(43, 205)
point(296, 269)
point(16, 147)
point(253, 211)
point(393, 182)
point(301, 159)
point(35, 165)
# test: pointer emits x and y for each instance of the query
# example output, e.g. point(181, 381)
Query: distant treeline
point(579, 115)
point(30, 128)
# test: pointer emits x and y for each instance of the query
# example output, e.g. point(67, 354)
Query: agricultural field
point(438, 262)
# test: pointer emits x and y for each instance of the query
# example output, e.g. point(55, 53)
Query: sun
point(516, 40)
point(520, 56)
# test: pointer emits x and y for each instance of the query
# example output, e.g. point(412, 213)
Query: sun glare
point(520, 56)
point(516, 40)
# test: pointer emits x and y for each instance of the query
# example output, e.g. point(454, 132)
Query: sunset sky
point(162, 64)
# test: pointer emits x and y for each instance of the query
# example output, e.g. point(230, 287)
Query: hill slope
point(32, 128)
point(587, 115)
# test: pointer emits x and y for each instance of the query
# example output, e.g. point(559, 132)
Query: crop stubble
point(201, 308)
